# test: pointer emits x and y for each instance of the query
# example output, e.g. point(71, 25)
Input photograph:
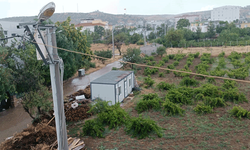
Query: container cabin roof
point(112, 77)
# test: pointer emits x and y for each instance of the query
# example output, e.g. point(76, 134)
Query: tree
point(174, 37)
point(188, 34)
point(119, 39)
point(135, 38)
point(161, 30)
point(133, 56)
point(210, 31)
point(6, 79)
point(151, 36)
point(226, 36)
point(161, 50)
point(182, 23)
point(2, 42)
point(69, 37)
point(198, 34)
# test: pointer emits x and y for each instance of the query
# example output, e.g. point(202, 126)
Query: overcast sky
point(12, 8)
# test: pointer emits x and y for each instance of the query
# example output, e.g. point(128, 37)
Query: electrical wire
point(10, 37)
point(142, 65)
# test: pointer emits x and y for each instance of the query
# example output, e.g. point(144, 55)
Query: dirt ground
point(215, 50)
point(217, 130)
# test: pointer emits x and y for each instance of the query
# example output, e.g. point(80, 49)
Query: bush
point(209, 90)
point(161, 50)
point(150, 58)
point(218, 72)
point(201, 108)
point(222, 63)
point(165, 86)
point(234, 95)
point(237, 64)
point(189, 82)
point(114, 68)
point(141, 128)
point(182, 95)
point(114, 116)
point(222, 54)
point(239, 112)
point(210, 80)
point(170, 67)
point(179, 57)
point(172, 108)
point(93, 128)
point(161, 74)
point(150, 96)
point(103, 53)
point(148, 81)
point(189, 63)
point(146, 104)
point(92, 64)
point(229, 84)
point(160, 64)
point(215, 102)
point(181, 74)
point(240, 73)
point(171, 56)
point(196, 55)
point(99, 106)
point(176, 63)
point(234, 55)
point(165, 59)
point(140, 42)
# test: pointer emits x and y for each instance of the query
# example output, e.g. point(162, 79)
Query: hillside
point(111, 18)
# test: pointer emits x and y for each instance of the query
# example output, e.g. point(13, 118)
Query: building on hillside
point(225, 13)
point(89, 24)
point(10, 29)
point(194, 26)
point(245, 25)
point(113, 86)
point(191, 18)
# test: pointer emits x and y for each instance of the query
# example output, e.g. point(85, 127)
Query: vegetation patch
point(240, 112)
point(201, 108)
point(172, 108)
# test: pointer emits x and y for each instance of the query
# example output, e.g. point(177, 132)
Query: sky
point(13, 8)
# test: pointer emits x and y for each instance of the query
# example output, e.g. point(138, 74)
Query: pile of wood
point(86, 92)
point(40, 137)
point(78, 113)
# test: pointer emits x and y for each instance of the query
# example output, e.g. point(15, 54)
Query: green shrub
point(234, 55)
point(150, 58)
point(171, 56)
point(234, 95)
point(103, 53)
point(150, 96)
point(114, 116)
point(99, 106)
point(176, 63)
point(148, 81)
point(114, 68)
point(160, 64)
point(215, 102)
point(222, 63)
point(206, 58)
point(189, 63)
point(196, 55)
point(181, 95)
point(202, 66)
point(210, 80)
point(170, 67)
point(181, 74)
point(161, 50)
point(165, 86)
point(209, 90)
point(146, 104)
point(93, 128)
point(150, 71)
point(247, 60)
point(172, 108)
point(239, 112)
point(153, 53)
point(165, 59)
point(189, 82)
point(218, 72)
point(222, 54)
point(240, 73)
point(229, 84)
point(237, 64)
point(201, 108)
point(141, 128)
point(179, 57)
point(161, 74)
point(92, 65)
point(140, 42)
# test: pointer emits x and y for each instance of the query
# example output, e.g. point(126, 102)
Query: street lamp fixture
point(46, 12)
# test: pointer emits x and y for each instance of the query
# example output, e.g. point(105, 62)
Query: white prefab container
point(113, 86)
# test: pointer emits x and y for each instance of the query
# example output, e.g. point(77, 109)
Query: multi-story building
point(89, 24)
point(225, 13)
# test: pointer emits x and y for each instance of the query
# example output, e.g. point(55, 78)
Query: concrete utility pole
point(57, 90)
point(145, 29)
point(113, 43)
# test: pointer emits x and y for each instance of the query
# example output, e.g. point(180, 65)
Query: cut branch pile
point(86, 92)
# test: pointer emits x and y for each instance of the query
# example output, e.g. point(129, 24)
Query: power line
point(142, 65)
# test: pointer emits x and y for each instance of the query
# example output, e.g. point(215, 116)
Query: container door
point(125, 88)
